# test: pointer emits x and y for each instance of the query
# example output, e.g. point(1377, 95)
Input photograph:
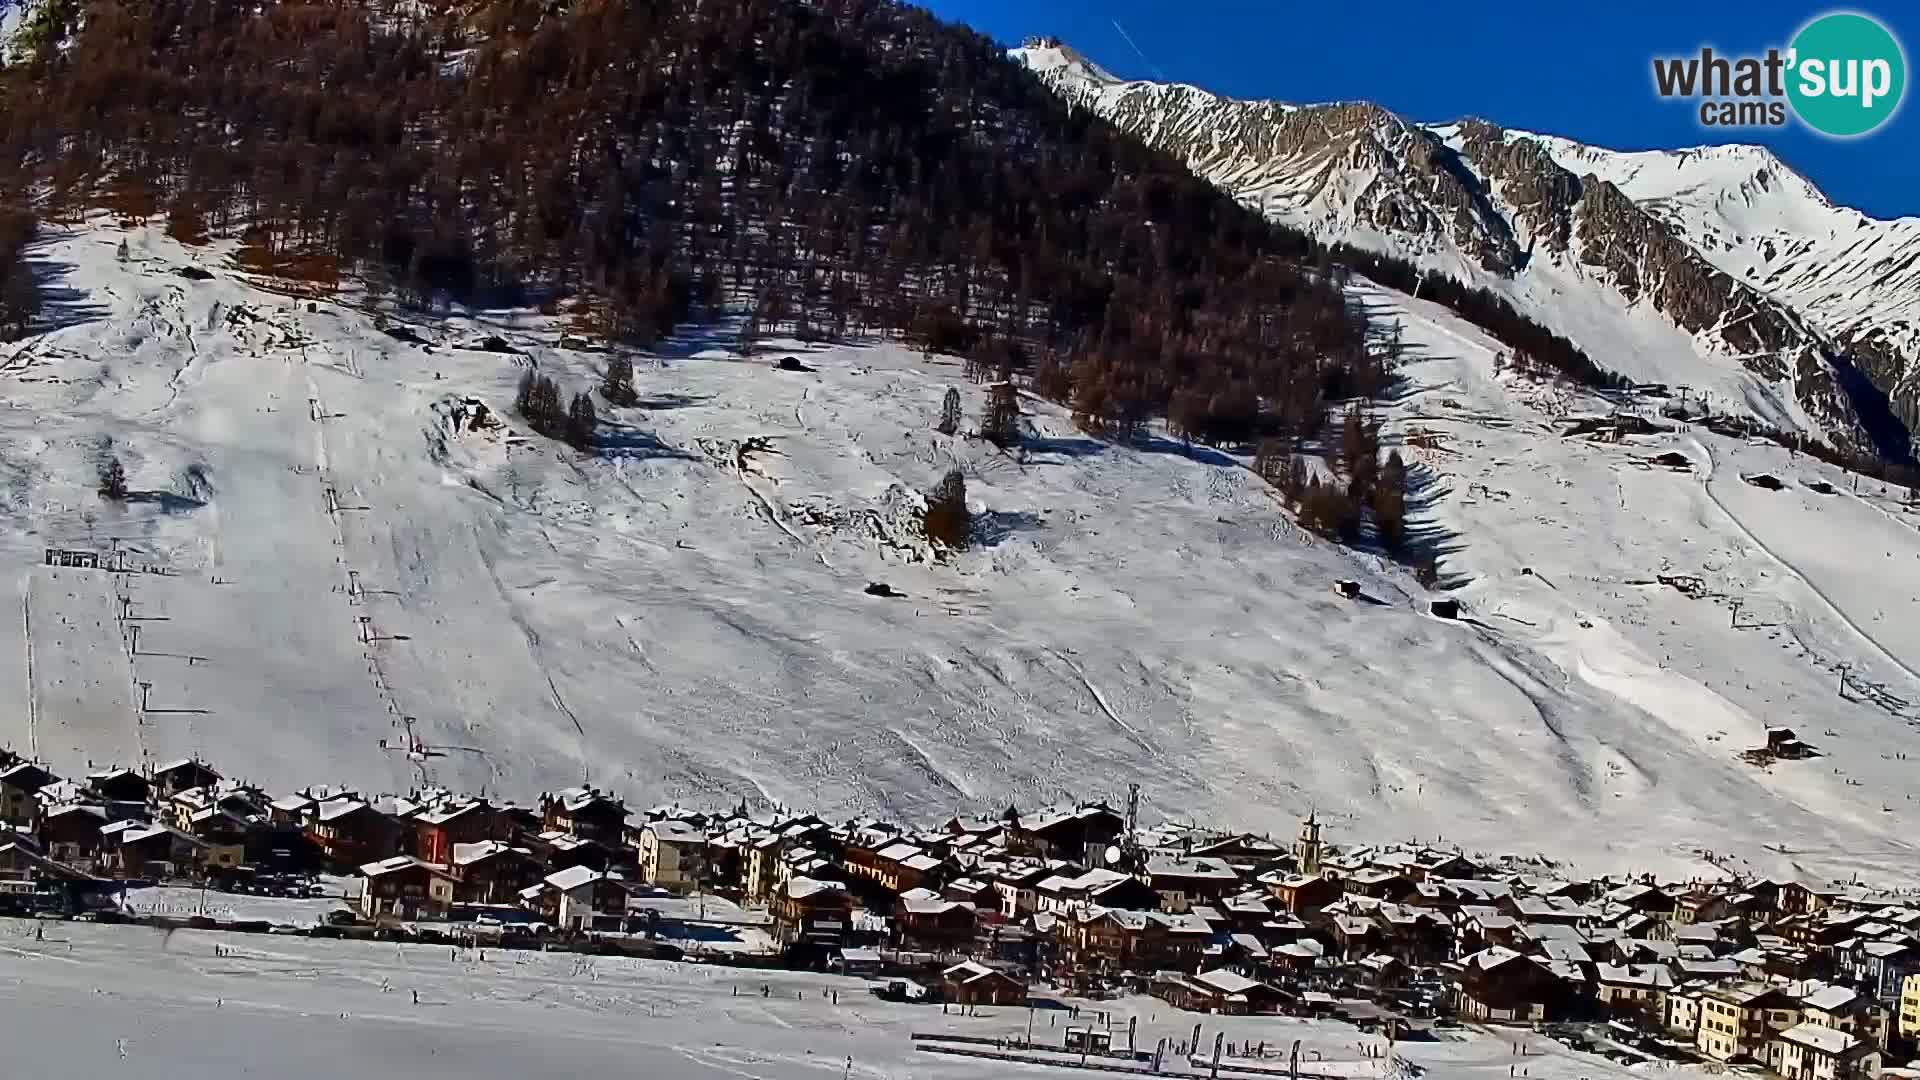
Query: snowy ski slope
point(189, 1004)
point(685, 617)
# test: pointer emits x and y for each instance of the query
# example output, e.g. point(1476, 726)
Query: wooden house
point(973, 983)
point(437, 831)
point(926, 920)
point(492, 872)
point(1221, 992)
point(20, 786)
point(587, 813)
point(178, 776)
point(808, 911)
point(403, 887)
point(1498, 985)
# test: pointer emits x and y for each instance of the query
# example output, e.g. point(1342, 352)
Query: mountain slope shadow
point(61, 305)
point(1428, 541)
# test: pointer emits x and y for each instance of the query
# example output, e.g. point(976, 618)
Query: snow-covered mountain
point(335, 548)
point(1856, 277)
point(1719, 268)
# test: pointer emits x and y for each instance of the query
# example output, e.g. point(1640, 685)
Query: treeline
point(19, 299)
point(826, 169)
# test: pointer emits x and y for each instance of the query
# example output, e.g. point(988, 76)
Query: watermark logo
point(1843, 75)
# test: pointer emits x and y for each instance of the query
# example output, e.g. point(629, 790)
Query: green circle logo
point(1848, 74)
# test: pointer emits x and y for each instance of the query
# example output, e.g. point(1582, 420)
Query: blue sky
point(1578, 70)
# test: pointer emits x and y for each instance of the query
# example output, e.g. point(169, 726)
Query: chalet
point(1381, 971)
point(585, 898)
point(1908, 1020)
point(348, 831)
point(1182, 882)
point(135, 849)
point(925, 920)
point(1498, 985)
point(1633, 989)
point(1643, 898)
point(1296, 957)
point(672, 854)
point(1809, 1051)
point(1069, 833)
point(563, 850)
point(295, 810)
point(974, 983)
point(1378, 884)
point(177, 776)
point(1242, 848)
point(438, 830)
point(585, 812)
point(1699, 907)
point(403, 887)
point(492, 872)
point(1304, 893)
point(1223, 992)
point(72, 832)
point(1797, 898)
point(1019, 888)
point(807, 911)
point(1844, 1009)
point(20, 786)
point(1116, 940)
point(123, 787)
point(983, 895)
point(1549, 909)
point(1099, 887)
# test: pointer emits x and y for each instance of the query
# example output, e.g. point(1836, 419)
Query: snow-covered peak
point(1051, 56)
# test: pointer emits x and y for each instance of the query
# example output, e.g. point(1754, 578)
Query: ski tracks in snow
point(1706, 481)
point(1100, 700)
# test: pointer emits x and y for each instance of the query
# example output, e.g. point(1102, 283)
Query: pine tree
point(1390, 503)
point(113, 480)
point(949, 412)
point(617, 384)
point(581, 423)
point(523, 397)
point(1001, 423)
point(947, 520)
point(1360, 454)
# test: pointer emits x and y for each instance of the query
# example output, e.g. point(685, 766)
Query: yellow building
point(1910, 1007)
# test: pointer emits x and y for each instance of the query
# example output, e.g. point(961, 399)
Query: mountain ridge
point(1481, 202)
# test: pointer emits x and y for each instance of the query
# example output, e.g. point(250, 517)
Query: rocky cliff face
point(1511, 207)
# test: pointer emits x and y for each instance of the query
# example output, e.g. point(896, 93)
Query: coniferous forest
point(823, 169)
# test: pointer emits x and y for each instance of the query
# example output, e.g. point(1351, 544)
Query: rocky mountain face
point(1746, 307)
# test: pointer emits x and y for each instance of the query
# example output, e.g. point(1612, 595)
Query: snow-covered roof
point(1819, 1037)
point(1648, 976)
point(670, 831)
point(1227, 982)
point(801, 888)
point(468, 854)
point(334, 809)
point(1830, 998)
point(388, 866)
point(573, 877)
point(969, 971)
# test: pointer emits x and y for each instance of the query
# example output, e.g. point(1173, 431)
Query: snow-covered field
point(195, 1004)
point(684, 617)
